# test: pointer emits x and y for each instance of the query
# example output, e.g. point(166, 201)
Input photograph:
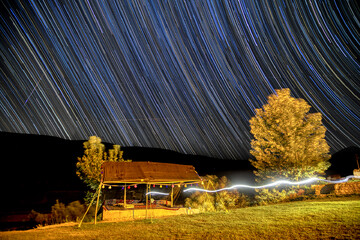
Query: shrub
point(202, 201)
point(58, 212)
point(75, 210)
point(283, 194)
point(243, 201)
point(39, 218)
point(219, 201)
point(61, 213)
point(268, 196)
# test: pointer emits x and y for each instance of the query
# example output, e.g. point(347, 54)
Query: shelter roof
point(148, 172)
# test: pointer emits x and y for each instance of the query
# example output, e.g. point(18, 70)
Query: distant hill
point(37, 170)
point(344, 161)
point(40, 169)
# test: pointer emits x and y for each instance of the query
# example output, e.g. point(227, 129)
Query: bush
point(58, 212)
point(75, 210)
point(202, 201)
point(268, 196)
point(219, 201)
point(243, 201)
point(283, 194)
point(39, 218)
point(61, 214)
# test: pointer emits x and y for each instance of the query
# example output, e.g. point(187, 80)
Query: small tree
point(89, 165)
point(289, 142)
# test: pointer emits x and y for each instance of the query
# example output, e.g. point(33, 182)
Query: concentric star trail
point(179, 75)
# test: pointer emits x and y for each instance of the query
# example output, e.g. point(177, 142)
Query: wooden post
point(97, 201)
point(146, 202)
point(172, 195)
point(150, 206)
point(92, 200)
point(125, 196)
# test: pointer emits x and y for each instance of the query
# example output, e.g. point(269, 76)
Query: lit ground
point(336, 218)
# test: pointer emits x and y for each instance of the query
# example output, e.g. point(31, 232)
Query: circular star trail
point(179, 75)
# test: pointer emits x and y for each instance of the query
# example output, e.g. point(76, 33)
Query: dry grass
point(337, 218)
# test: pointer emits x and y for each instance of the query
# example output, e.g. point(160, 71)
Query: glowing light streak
point(277, 183)
point(157, 193)
point(280, 182)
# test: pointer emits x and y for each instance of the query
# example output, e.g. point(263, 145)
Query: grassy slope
point(337, 218)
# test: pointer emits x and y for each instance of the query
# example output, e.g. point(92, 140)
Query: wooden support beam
point(146, 201)
point(172, 195)
point(125, 196)
point(97, 201)
point(92, 200)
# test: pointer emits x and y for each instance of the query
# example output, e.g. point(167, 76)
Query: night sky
point(179, 75)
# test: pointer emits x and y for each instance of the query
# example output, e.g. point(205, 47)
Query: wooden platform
point(136, 214)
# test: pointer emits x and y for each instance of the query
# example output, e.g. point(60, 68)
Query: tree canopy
point(89, 165)
point(289, 142)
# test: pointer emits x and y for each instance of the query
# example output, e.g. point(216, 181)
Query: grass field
point(329, 218)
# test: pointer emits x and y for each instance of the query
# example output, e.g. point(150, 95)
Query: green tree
point(289, 142)
point(89, 165)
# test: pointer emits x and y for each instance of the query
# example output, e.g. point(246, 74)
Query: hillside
point(344, 161)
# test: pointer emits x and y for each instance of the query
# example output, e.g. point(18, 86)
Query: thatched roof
point(148, 172)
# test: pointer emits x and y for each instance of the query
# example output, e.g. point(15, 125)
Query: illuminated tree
point(289, 142)
point(89, 165)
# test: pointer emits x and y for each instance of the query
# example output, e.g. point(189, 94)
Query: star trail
point(179, 75)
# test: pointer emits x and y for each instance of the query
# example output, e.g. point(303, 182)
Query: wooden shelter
point(148, 173)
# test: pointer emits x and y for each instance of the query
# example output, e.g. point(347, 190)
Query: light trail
point(280, 182)
point(157, 193)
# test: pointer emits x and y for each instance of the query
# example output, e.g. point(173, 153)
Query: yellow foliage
point(288, 140)
point(89, 165)
point(219, 201)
